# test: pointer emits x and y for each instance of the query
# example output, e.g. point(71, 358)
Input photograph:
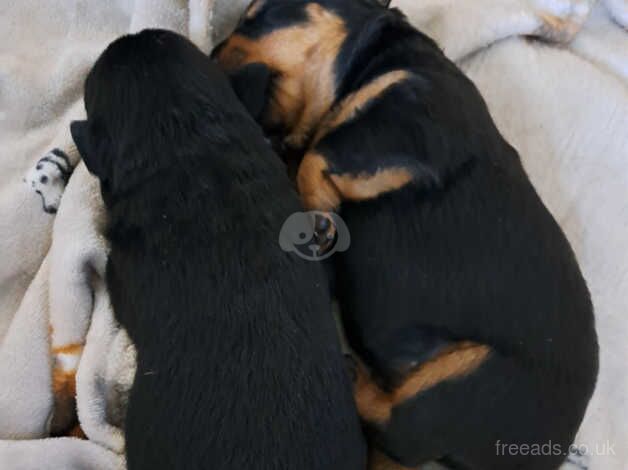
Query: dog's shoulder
point(402, 103)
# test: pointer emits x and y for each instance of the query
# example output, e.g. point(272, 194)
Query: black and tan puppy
point(238, 363)
point(459, 290)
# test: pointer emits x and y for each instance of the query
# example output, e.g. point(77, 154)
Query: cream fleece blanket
point(564, 106)
point(60, 347)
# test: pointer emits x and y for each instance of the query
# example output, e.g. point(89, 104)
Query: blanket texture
point(61, 352)
point(554, 73)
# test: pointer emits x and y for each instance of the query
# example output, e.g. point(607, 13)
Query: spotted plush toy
point(49, 177)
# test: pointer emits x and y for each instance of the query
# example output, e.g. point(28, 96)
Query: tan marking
point(316, 189)
point(303, 57)
point(379, 461)
point(375, 405)
point(254, 8)
point(324, 191)
point(352, 104)
point(363, 187)
point(450, 365)
point(75, 348)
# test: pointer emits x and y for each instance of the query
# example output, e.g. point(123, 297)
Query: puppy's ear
point(89, 145)
point(78, 129)
point(252, 84)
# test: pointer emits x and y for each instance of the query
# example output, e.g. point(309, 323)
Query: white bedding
point(563, 106)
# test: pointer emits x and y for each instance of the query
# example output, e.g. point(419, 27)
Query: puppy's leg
point(455, 362)
point(316, 188)
point(375, 405)
point(323, 188)
point(365, 186)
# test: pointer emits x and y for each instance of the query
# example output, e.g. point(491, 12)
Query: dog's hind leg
point(380, 408)
point(376, 405)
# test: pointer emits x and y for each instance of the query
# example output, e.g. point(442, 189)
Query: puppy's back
point(238, 361)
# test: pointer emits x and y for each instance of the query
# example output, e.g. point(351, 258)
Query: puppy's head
point(143, 98)
point(285, 58)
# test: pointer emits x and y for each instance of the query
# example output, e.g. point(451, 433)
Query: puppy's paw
point(49, 177)
point(561, 20)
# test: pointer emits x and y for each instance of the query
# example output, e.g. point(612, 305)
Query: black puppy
point(238, 363)
point(459, 291)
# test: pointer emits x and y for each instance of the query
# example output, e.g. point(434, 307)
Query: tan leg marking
point(455, 363)
point(352, 104)
point(375, 405)
point(316, 189)
point(321, 190)
point(363, 187)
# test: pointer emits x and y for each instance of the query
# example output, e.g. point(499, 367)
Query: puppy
point(459, 291)
point(238, 363)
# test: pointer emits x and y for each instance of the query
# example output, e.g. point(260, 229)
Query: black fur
point(468, 251)
point(239, 366)
point(251, 97)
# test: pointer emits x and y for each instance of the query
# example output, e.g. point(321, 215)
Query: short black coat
point(466, 251)
point(239, 366)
